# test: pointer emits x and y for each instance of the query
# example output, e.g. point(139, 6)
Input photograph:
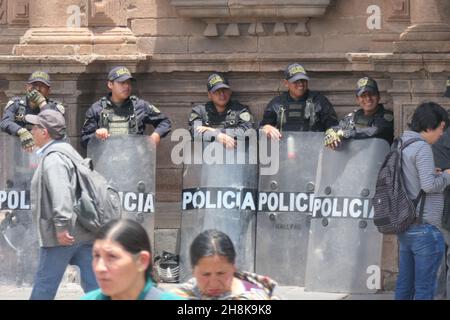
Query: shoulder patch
point(155, 109)
point(245, 116)
point(388, 117)
point(60, 108)
point(193, 116)
point(10, 102)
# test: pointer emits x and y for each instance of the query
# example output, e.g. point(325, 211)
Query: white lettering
point(226, 203)
point(128, 204)
point(198, 204)
point(374, 280)
point(336, 212)
point(374, 20)
point(283, 208)
point(327, 207)
point(353, 212)
point(209, 205)
point(149, 203)
point(262, 200)
point(248, 202)
point(272, 202)
point(187, 198)
point(316, 208)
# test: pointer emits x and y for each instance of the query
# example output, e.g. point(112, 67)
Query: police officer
point(122, 113)
point(220, 113)
point(36, 100)
point(372, 120)
point(298, 109)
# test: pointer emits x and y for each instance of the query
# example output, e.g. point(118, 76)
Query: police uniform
point(16, 109)
point(359, 126)
point(236, 116)
point(129, 118)
point(312, 112)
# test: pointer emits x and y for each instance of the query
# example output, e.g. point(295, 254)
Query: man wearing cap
point(219, 114)
point(298, 109)
point(36, 100)
point(372, 120)
point(62, 239)
point(121, 113)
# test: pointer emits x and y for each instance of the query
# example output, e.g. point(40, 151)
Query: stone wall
point(172, 45)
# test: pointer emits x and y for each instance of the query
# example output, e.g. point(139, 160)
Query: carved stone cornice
point(237, 12)
point(429, 30)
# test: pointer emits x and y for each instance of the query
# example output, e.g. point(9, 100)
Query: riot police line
point(307, 223)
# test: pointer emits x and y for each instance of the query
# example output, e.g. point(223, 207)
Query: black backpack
point(394, 212)
point(97, 202)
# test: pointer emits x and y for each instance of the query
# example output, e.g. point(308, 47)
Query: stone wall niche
point(253, 12)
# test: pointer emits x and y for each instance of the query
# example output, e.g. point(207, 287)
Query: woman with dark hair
point(422, 245)
point(215, 276)
point(122, 263)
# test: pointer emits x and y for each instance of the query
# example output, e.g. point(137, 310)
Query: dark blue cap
point(217, 81)
point(366, 84)
point(295, 72)
point(120, 74)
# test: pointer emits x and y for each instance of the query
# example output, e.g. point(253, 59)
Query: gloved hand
point(26, 139)
point(333, 138)
point(35, 98)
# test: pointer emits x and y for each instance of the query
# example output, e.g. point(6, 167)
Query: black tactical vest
point(296, 116)
point(228, 119)
point(119, 120)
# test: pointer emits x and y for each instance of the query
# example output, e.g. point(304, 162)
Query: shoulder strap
point(76, 162)
point(403, 145)
point(422, 195)
point(104, 102)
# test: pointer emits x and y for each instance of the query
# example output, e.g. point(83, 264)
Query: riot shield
point(219, 192)
point(128, 162)
point(19, 244)
point(345, 248)
point(285, 207)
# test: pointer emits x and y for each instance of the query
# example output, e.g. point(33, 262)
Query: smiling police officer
point(121, 113)
point(298, 109)
point(219, 114)
point(372, 120)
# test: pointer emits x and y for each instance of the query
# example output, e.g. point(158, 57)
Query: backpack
point(97, 202)
point(394, 212)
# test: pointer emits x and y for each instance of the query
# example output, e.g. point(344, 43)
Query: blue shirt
point(98, 295)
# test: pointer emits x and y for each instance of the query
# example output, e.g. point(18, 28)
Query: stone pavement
point(72, 291)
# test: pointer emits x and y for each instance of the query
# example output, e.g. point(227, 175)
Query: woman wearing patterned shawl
point(215, 276)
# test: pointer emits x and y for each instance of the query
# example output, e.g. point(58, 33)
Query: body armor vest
point(360, 121)
point(119, 120)
point(217, 121)
point(296, 116)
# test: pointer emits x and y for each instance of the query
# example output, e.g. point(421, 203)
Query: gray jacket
point(53, 196)
point(419, 173)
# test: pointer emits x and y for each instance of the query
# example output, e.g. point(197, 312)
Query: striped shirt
point(419, 173)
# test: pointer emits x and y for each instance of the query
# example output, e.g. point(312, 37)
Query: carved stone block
point(399, 11)
point(106, 13)
point(253, 12)
point(3, 11)
point(18, 12)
